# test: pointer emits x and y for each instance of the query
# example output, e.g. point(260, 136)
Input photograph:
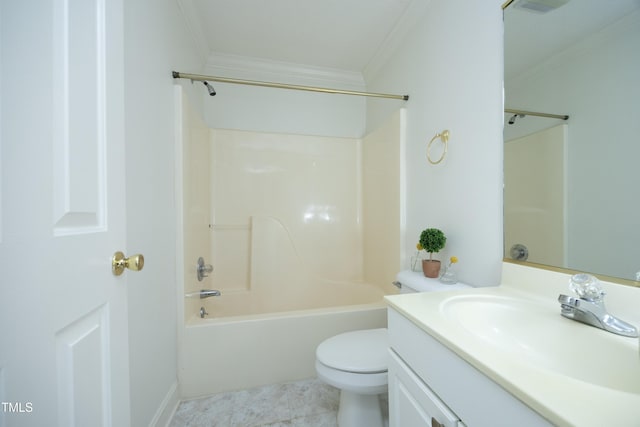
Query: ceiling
point(349, 35)
point(531, 37)
point(336, 34)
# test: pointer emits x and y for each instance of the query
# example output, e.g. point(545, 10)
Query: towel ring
point(444, 137)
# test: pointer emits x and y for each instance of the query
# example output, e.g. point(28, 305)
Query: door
point(63, 314)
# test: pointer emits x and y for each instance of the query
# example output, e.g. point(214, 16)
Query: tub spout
point(206, 293)
point(203, 293)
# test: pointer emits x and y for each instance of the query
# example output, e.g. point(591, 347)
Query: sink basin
point(536, 334)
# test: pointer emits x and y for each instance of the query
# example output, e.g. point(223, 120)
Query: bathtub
point(248, 341)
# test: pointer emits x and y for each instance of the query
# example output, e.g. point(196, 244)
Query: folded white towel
point(416, 280)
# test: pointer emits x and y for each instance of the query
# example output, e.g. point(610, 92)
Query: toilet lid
point(357, 351)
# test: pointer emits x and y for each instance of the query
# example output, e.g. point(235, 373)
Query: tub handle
point(397, 284)
point(203, 269)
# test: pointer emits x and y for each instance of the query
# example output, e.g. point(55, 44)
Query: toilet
point(356, 362)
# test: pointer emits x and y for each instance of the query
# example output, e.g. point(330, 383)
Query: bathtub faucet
point(206, 293)
point(203, 293)
point(202, 269)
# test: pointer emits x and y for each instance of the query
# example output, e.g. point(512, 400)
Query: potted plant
point(432, 241)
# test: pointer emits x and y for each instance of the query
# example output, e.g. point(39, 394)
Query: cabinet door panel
point(412, 403)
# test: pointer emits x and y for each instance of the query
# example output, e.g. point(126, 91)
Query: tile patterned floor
point(308, 403)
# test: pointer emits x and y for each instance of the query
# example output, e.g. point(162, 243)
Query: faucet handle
point(202, 269)
point(587, 287)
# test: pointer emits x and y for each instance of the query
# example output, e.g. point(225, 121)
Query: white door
point(63, 314)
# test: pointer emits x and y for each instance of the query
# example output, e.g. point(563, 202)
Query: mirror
point(572, 187)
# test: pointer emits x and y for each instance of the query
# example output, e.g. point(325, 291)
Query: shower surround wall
point(285, 210)
point(281, 219)
point(194, 196)
point(276, 214)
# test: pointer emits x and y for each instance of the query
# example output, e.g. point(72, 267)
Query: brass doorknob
point(119, 263)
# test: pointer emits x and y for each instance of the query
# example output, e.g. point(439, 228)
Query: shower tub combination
point(283, 220)
point(237, 351)
point(266, 330)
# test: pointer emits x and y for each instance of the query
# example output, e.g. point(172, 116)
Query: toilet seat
point(362, 352)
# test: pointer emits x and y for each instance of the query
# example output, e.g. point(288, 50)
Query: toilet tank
point(415, 281)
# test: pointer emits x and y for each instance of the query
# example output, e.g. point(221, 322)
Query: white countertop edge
point(562, 400)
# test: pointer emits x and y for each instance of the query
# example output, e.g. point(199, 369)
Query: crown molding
point(613, 31)
point(410, 17)
point(193, 26)
point(226, 65)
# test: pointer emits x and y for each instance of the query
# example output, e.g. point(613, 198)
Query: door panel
point(83, 377)
point(64, 347)
point(79, 116)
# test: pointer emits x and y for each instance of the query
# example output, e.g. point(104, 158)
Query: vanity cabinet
point(431, 386)
point(412, 403)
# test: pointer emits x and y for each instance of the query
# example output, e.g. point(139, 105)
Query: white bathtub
point(248, 341)
point(313, 294)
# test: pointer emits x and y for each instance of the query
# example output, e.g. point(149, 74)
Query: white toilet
point(356, 362)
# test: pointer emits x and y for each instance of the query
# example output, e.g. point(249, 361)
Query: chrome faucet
point(206, 293)
point(589, 307)
point(203, 293)
point(202, 269)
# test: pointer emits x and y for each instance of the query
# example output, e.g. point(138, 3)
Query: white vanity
point(504, 356)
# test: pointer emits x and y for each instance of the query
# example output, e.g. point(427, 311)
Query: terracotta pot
point(431, 268)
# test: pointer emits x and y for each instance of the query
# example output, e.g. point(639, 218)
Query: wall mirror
point(572, 187)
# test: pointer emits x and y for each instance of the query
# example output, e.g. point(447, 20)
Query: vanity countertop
point(570, 373)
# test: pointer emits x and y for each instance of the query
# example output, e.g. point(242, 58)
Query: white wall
point(273, 110)
point(156, 42)
point(452, 66)
point(596, 84)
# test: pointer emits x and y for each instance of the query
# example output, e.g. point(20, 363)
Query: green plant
point(432, 240)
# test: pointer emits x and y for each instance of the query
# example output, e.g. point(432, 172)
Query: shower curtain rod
point(533, 113)
point(201, 78)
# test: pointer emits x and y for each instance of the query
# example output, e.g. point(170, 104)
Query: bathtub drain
point(203, 312)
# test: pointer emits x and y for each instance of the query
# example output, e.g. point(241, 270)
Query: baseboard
point(167, 407)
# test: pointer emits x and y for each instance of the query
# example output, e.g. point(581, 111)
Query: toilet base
point(357, 410)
